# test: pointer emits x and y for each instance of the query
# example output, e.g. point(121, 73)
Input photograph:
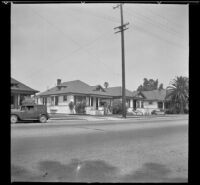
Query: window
point(160, 105)
point(91, 101)
point(142, 104)
point(150, 102)
point(23, 108)
point(44, 100)
point(12, 99)
point(65, 98)
point(30, 108)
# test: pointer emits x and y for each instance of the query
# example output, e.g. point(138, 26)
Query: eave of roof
point(21, 87)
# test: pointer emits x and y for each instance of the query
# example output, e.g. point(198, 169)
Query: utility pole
point(121, 29)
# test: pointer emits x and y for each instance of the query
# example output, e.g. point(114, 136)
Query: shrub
point(186, 111)
point(153, 112)
point(172, 111)
point(71, 105)
point(117, 107)
point(80, 107)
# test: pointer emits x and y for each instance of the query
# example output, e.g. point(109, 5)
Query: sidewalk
point(108, 117)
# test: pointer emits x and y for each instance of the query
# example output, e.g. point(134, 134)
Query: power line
point(156, 35)
point(163, 17)
point(104, 17)
point(153, 23)
point(76, 50)
point(70, 54)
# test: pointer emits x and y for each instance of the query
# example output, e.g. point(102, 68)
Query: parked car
point(30, 112)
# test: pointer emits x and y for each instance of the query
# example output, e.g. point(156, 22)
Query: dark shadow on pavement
point(151, 172)
point(92, 171)
point(20, 174)
point(79, 171)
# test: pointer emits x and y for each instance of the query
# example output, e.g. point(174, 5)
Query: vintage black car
point(30, 112)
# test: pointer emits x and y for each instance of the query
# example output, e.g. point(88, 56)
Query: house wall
point(148, 108)
point(154, 105)
point(62, 106)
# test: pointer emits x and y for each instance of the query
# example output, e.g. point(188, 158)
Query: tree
point(160, 87)
point(106, 84)
point(178, 93)
point(149, 85)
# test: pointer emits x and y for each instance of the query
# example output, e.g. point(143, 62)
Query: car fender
point(44, 115)
point(18, 117)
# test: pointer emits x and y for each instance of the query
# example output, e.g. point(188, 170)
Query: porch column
point(163, 105)
point(131, 103)
point(18, 100)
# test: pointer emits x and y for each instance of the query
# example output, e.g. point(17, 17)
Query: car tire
point(43, 119)
point(13, 119)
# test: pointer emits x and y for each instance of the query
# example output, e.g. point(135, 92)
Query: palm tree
point(106, 84)
point(178, 92)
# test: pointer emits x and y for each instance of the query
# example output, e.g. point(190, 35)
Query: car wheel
point(43, 119)
point(13, 119)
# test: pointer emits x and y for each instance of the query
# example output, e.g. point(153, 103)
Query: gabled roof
point(117, 91)
point(18, 86)
point(137, 95)
point(154, 95)
point(75, 86)
point(79, 87)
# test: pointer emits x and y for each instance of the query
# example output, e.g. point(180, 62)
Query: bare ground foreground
point(150, 150)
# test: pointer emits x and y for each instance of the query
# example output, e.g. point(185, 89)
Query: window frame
point(64, 98)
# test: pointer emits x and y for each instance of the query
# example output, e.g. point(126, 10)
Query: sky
point(78, 42)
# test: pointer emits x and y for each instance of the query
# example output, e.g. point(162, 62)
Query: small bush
point(71, 105)
point(186, 111)
point(117, 107)
point(153, 112)
point(172, 111)
point(80, 107)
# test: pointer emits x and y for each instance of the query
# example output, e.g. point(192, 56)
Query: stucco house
point(19, 92)
point(151, 100)
point(58, 98)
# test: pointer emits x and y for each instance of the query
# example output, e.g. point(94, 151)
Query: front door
point(134, 104)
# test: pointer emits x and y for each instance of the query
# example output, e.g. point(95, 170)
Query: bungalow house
point(151, 100)
point(19, 92)
point(58, 98)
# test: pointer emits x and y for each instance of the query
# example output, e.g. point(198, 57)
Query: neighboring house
point(58, 98)
point(151, 100)
point(19, 92)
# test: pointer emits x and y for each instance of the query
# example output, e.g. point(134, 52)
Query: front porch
point(95, 105)
point(17, 99)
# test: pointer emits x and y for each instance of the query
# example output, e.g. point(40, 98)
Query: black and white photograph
point(99, 92)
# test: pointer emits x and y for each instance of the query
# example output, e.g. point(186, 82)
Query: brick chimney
point(58, 82)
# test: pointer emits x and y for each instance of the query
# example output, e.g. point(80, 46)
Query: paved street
point(132, 150)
